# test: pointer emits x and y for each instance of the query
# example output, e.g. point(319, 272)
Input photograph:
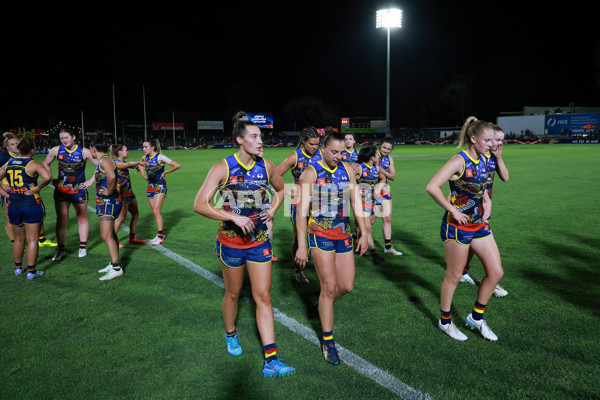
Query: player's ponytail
point(471, 127)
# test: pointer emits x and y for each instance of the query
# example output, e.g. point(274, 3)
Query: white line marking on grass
point(359, 364)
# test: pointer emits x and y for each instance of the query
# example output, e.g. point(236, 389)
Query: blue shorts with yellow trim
point(107, 207)
point(339, 246)
point(156, 188)
point(235, 258)
point(26, 215)
point(79, 197)
point(128, 199)
point(462, 236)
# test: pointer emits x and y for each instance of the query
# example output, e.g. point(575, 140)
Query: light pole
point(388, 18)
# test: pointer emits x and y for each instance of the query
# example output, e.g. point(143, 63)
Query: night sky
point(449, 60)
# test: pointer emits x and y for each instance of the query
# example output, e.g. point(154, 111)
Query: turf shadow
point(577, 281)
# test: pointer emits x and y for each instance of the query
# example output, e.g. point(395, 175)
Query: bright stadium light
point(388, 18)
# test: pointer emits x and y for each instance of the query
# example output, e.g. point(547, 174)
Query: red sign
point(168, 126)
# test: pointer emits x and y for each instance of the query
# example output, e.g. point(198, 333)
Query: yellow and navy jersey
point(20, 182)
point(369, 175)
point(245, 192)
point(71, 169)
point(384, 162)
point(302, 161)
point(350, 157)
point(491, 162)
point(124, 181)
point(155, 168)
point(102, 180)
point(467, 190)
point(5, 155)
point(329, 212)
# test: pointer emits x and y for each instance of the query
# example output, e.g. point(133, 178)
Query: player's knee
point(346, 288)
point(262, 297)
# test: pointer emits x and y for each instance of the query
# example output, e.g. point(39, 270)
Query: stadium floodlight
point(388, 18)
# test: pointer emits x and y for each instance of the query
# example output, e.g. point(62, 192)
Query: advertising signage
point(565, 124)
point(262, 120)
point(168, 126)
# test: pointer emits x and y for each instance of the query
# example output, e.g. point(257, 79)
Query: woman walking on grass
point(465, 225)
point(494, 163)
point(373, 183)
point(306, 152)
point(243, 181)
point(327, 189)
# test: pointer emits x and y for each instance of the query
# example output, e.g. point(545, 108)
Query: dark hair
point(100, 143)
point(335, 135)
point(67, 130)
point(115, 149)
point(329, 129)
point(308, 133)
point(388, 139)
point(350, 133)
point(366, 153)
point(25, 146)
point(240, 122)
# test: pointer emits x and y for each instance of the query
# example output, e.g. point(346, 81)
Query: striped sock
point(161, 234)
point(466, 269)
point(31, 269)
point(388, 244)
point(42, 238)
point(82, 245)
point(116, 266)
point(270, 352)
point(328, 338)
point(445, 317)
point(131, 235)
point(231, 334)
point(18, 265)
point(478, 310)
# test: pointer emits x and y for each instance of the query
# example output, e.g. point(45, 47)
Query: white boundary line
point(359, 364)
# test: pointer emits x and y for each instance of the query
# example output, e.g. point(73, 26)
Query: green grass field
point(157, 332)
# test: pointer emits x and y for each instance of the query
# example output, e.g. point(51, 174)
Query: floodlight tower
point(388, 18)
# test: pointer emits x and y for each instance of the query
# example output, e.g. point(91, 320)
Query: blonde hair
point(471, 127)
point(9, 136)
point(496, 128)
